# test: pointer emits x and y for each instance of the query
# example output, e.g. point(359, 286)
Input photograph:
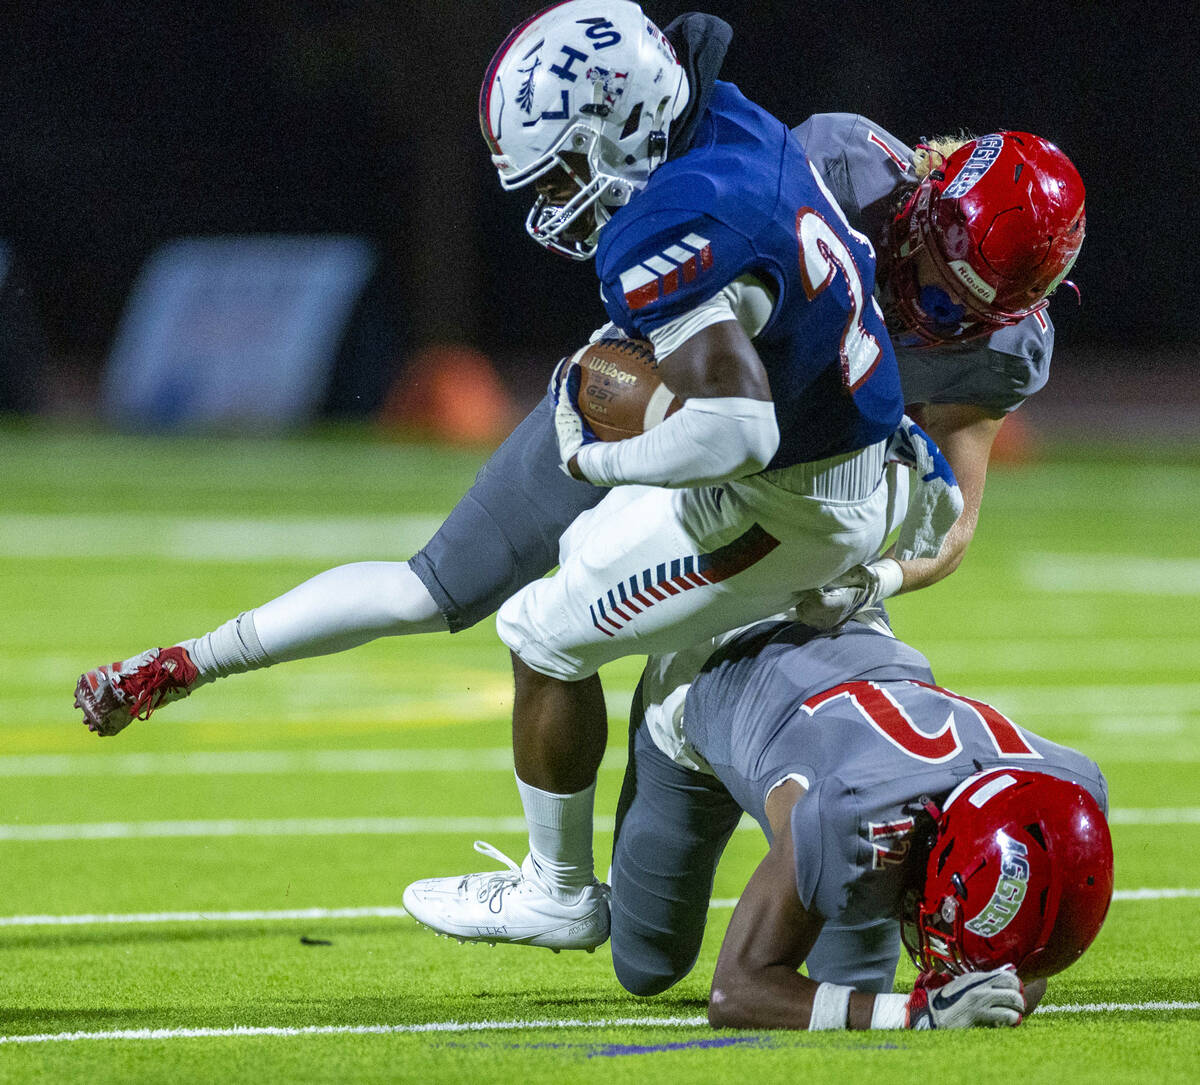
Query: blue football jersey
point(744, 200)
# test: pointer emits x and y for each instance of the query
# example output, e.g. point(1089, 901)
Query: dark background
point(126, 124)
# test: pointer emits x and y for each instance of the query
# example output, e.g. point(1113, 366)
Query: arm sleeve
point(705, 441)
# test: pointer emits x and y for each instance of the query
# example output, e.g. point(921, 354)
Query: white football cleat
point(509, 905)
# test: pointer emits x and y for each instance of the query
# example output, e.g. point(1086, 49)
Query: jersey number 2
point(825, 257)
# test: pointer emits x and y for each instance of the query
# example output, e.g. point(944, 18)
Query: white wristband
point(890, 576)
point(890, 1011)
point(830, 1007)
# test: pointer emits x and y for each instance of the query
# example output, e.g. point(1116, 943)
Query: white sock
point(344, 607)
point(229, 649)
point(560, 837)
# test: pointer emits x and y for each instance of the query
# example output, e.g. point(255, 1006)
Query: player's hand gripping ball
point(620, 391)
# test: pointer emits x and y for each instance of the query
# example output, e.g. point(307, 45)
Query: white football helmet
point(593, 78)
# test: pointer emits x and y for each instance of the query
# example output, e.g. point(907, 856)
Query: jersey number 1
point(825, 257)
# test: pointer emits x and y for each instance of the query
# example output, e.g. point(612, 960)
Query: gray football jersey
point(865, 168)
point(857, 719)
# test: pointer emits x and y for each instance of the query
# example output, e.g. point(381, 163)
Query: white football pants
point(653, 570)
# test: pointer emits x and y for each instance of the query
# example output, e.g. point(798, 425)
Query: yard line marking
point(1120, 894)
point(1185, 815)
point(376, 912)
point(381, 826)
point(1116, 1007)
point(107, 919)
point(401, 826)
point(256, 762)
point(1155, 894)
point(1112, 574)
point(240, 1031)
point(394, 760)
point(185, 538)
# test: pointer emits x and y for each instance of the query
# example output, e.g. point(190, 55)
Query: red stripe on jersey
point(873, 138)
point(642, 296)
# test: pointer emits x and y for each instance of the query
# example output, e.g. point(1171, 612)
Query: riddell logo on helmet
point(966, 275)
point(1009, 892)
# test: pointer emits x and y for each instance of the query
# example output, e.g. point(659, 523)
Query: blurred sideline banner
point(234, 333)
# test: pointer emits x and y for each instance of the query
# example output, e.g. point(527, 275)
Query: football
point(620, 391)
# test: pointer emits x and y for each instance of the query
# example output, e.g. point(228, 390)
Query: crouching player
point(895, 809)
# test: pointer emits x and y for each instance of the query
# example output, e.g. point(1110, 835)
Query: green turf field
point(213, 895)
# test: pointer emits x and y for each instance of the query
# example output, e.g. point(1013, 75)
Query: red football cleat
point(112, 696)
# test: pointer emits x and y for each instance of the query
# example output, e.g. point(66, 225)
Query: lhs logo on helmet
point(1009, 893)
point(987, 150)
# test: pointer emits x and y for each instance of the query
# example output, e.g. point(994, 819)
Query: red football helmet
point(983, 241)
point(1020, 873)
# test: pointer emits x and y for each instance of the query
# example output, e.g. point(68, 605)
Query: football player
point(505, 532)
point(734, 261)
point(884, 798)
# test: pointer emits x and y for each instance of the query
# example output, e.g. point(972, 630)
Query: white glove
point(856, 589)
point(993, 998)
point(935, 501)
point(572, 430)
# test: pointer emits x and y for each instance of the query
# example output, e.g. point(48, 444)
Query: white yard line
point(1112, 574)
point(247, 1031)
point(353, 826)
point(247, 916)
point(1124, 737)
point(380, 912)
point(258, 762)
point(184, 538)
point(402, 826)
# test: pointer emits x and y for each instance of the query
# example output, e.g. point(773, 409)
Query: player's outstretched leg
point(510, 906)
point(335, 610)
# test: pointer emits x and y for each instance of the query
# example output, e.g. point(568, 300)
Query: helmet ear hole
point(632, 121)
